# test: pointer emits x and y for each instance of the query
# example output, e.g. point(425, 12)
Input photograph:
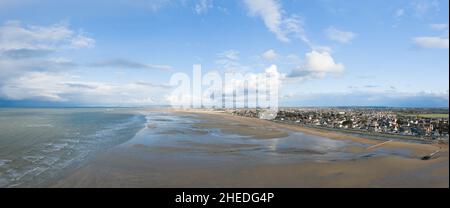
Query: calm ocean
point(37, 144)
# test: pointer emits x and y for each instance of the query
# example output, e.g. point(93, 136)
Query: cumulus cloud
point(340, 35)
point(318, 64)
point(270, 55)
point(60, 87)
point(35, 48)
point(31, 69)
point(319, 61)
point(322, 62)
point(253, 79)
point(432, 42)
point(271, 13)
point(233, 86)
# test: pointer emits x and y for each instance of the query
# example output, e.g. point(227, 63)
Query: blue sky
point(329, 52)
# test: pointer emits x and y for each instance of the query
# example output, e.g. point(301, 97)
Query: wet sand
point(249, 161)
point(418, 149)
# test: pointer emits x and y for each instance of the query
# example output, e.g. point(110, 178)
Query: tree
point(347, 123)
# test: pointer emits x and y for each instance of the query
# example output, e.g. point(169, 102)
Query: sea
point(37, 144)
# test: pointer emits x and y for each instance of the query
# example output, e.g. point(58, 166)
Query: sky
point(123, 53)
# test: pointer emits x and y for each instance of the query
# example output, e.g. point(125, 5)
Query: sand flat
point(254, 153)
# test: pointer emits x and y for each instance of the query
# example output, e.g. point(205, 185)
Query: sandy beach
point(215, 149)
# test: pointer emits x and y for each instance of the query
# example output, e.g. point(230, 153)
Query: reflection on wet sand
point(192, 149)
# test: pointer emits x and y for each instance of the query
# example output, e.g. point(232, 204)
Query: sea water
point(38, 144)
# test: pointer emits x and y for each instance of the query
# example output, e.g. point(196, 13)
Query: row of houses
point(371, 120)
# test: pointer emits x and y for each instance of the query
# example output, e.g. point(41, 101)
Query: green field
point(436, 115)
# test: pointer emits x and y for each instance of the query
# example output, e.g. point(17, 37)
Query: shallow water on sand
point(184, 137)
point(38, 144)
point(41, 146)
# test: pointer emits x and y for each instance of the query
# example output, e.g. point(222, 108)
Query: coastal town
point(429, 124)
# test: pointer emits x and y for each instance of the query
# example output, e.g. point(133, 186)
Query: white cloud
point(252, 82)
point(322, 62)
point(34, 48)
point(234, 84)
point(14, 36)
point(202, 6)
point(11, 68)
point(340, 35)
point(31, 68)
point(271, 13)
point(270, 55)
point(317, 65)
point(59, 87)
point(440, 42)
point(81, 41)
point(439, 26)
point(432, 42)
point(35, 85)
point(399, 13)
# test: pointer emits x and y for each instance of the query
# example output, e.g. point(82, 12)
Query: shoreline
point(203, 165)
point(424, 148)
